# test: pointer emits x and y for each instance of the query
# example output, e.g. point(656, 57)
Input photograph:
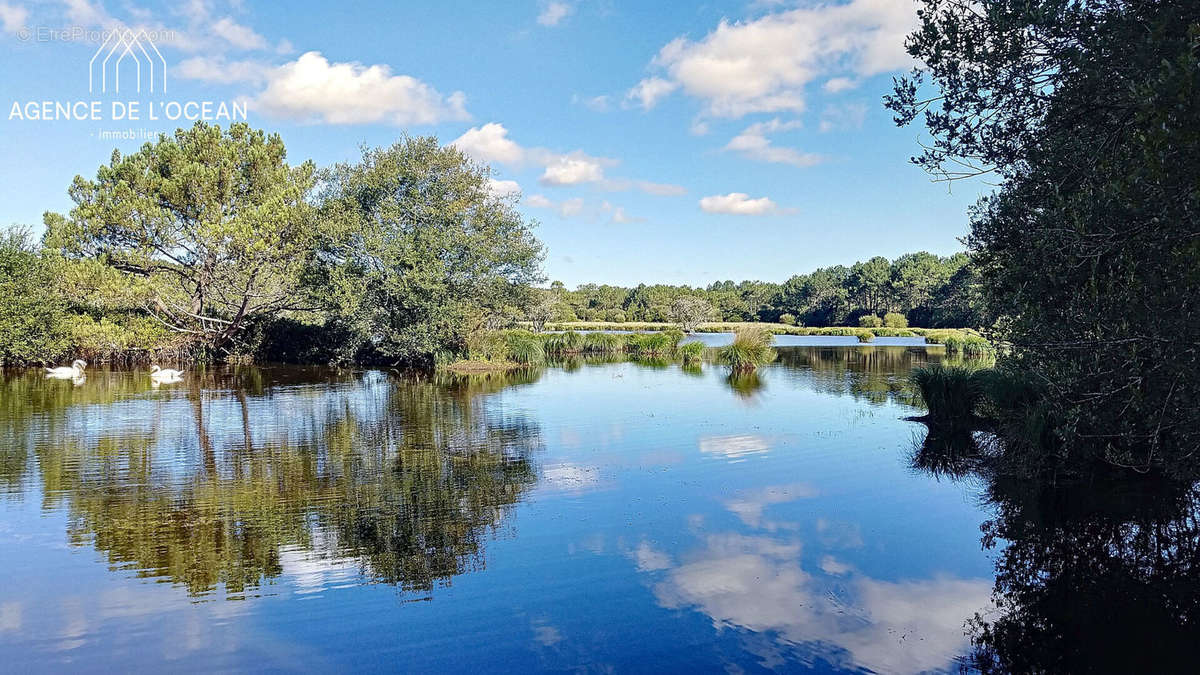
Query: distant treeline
point(929, 290)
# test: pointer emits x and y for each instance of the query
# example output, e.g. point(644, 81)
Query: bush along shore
point(518, 348)
point(956, 340)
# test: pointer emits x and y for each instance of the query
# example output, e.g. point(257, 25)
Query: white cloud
point(739, 204)
point(242, 37)
point(757, 583)
point(311, 89)
point(539, 202)
point(554, 12)
point(831, 565)
point(617, 214)
point(490, 143)
point(754, 144)
point(570, 207)
point(504, 188)
point(837, 84)
point(572, 169)
point(749, 506)
point(650, 559)
point(844, 116)
point(566, 209)
point(620, 218)
point(12, 17)
point(217, 69)
point(733, 447)
point(649, 92)
point(85, 13)
point(597, 103)
point(660, 189)
point(765, 64)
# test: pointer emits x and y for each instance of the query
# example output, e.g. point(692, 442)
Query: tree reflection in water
point(1094, 574)
point(208, 483)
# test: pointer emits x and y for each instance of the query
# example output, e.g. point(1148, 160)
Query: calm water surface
point(588, 516)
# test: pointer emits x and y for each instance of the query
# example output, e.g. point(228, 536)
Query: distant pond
point(594, 515)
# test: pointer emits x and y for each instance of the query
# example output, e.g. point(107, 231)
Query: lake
point(594, 515)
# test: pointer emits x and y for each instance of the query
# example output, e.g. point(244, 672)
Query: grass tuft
point(751, 348)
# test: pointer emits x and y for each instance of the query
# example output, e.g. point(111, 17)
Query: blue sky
point(651, 141)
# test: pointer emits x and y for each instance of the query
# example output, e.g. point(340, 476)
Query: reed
point(751, 348)
point(603, 343)
point(569, 342)
point(951, 393)
point(524, 347)
point(690, 353)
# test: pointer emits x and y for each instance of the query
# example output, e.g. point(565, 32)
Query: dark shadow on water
point(1096, 572)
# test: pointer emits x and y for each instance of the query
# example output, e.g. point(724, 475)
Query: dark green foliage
point(919, 284)
point(31, 314)
point(288, 340)
point(420, 253)
point(951, 393)
point(1088, 253)
point(214, 225)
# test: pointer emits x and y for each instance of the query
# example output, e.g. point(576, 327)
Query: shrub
point(751, 348)
point(487, 345)
point(865, 335)
point(31, 312)
point(787, 319)
point(869, 321)
point(895, 320)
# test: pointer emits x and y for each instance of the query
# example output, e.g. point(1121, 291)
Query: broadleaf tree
point(421, 251)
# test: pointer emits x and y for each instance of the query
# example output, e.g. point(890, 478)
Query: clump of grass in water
point(563, 343)
point(603, 343)
point(525, 347)
point(655, 344)
point(691, 352)
point(951, 393)
point(865, 336)
point(751, 348)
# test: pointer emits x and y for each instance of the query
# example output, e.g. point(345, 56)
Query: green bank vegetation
point(939, 334)
point(1087, 254)
point(210, 245)
point(518, 348)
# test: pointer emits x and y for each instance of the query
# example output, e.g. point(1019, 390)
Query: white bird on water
point(165, 375)
point(75, 370)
